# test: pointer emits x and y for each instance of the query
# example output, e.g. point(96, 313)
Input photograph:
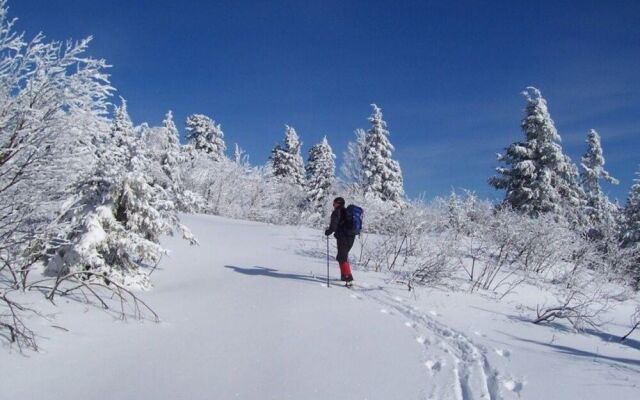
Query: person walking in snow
point(345, 237)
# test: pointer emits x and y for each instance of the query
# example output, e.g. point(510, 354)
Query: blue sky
point(447, 74)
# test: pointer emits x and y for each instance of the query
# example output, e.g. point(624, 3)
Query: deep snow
point(246, 315)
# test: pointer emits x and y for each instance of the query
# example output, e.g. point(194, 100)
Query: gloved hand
point(327, 232)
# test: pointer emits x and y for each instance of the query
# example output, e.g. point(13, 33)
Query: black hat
point(339, 200)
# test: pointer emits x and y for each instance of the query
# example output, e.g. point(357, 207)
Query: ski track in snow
point(457, 368)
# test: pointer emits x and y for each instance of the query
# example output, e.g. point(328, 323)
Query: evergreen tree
point(172, 160)
point(631, 234)
point(598, 207)
point(631, 230)
point(120, 214)
point(320, 175)
point(172, 153)
point(173, 136)
point(286, 162)
point(122, 139)
point(538, 176)
point(381, 173)
point(166, 161)
point(206, 136)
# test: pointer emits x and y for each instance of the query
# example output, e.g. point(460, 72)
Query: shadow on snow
point(559, 326)
point(272, 273)
point(583, 353)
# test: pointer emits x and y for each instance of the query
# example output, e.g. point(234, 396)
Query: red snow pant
point(345, 243)
point(345, 271)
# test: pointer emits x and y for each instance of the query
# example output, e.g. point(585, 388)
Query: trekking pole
point(327, 261)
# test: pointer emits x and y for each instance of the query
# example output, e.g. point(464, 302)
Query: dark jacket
point(337, 225)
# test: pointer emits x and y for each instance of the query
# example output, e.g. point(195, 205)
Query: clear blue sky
point(447, 74)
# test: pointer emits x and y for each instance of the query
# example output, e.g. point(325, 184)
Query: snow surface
point(247, 315)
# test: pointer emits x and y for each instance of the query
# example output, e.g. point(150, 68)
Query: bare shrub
point(411, 245)
point(433, 263)
point(585, 287)
point(12, 322)
point(397, 240)
point(582, 305)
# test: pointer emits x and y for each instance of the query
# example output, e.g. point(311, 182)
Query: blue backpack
point(353, 223)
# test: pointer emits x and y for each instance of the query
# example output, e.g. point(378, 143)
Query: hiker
point(344, 236)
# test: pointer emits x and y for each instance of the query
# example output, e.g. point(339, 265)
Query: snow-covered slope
point(247, 315)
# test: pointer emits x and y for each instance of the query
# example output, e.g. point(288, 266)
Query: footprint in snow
point(433, 365)
point(503, 352)
point(513, 386)
point(410, 324)
point(385, 311)
point(478, 333)
point(398, 299)
point(434, 313)
point(423, 340)
point(355, 296)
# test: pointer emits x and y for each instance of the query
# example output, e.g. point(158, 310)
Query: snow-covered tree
point(53, 106)
point(205, 135)
point(538, 176)
point(122, 137)
point(631, 232)
point(173, 136)
point(382, 174)
point(171, 161)
point(119, 214)
point(598, 206)
point(321, 170)
point(172, 154)
point(630, 229)
point(162, 145)
point(353, 158)
point(286, 161)
point(53, 109)
point(239, 190)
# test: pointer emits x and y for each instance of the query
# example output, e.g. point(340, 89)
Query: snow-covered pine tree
point(631, 232)
point(166, 162)
point(599, 208)
point(172, 161)
point(119, 214)
point(122, 136)
point(173, 136)
point(321, 170)
point(382, 174)
point(205, 135)
point(538, 176)
point(286, 161)
point(353, 158)
point(172, 157)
